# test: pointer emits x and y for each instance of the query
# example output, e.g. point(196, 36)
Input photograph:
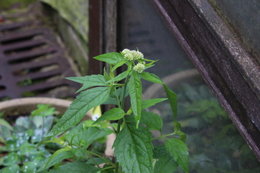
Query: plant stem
point(107, 168)
point(164, 136)
point(121, 105)
point(124, 90)
point(95, 154)
point(118, 126)
point(101, 157)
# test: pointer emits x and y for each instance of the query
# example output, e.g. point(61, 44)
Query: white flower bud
point(137, 55)
point(125, 51)
point(129, 56)
point(139, 67)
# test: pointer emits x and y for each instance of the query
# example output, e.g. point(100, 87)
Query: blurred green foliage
point(214, 143)
point(20, 145)
point(4, 4)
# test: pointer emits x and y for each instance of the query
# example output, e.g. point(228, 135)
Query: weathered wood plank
point(225, 66)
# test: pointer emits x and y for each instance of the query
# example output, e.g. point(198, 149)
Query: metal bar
point(27, 48)
point(40, 75)
point(23, 44)
point(32, 54)
point(6, 27)
point(19, 35)
point(35, 64)
point(43, 86)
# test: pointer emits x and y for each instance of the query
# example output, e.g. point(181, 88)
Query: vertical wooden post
point(110, 25)
point(95, 34)
point(102, 31)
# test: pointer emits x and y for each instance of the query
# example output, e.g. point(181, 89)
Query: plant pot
point(26, 105)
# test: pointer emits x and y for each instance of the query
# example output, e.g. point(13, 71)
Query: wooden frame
point(226, 67)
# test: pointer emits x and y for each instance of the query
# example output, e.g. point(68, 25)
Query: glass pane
point(214, 143)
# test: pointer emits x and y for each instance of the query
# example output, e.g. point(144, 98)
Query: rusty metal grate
point(32, 62)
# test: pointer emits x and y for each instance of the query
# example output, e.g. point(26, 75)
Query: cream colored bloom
point(129, 56)
point(137, 55)
point(125, 51)
point(132, 54)
point(139, 67)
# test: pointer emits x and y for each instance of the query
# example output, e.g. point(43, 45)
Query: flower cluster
point(135, 55)
point(139, 67)
point(132, 55)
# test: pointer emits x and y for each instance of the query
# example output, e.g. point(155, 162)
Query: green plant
point(8, 3)
point(213, 141)
point(20, 147)
point(129, 120)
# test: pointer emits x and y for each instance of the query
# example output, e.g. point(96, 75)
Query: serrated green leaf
point(178, 132)
point(83, 137)
point(179, 151)
point(110, 58)
point(112, 114)
point(111, 101)
point(165, 163)
point(119, 77)
point(79, 107)
point(59, 141)
point(152, 120)
point(119, 64)
point(150, 60)
point(135, 92)
point(149, 65)
point(119, 92)
point(151, 102)
point(151, 77)
point(172, 99)
point(43, 110)
point(80, 153)
point(106, 75)
point(75, 167)
point(107, 170)
point(97, 161)
point(56, 158)
point(89, 81)
point(133, 149)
